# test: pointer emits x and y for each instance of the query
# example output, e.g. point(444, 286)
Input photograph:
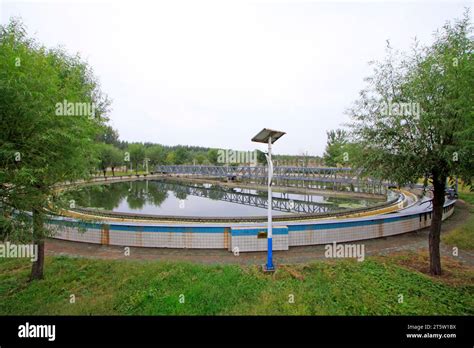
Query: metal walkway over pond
point(284, 204)
point(341, 179)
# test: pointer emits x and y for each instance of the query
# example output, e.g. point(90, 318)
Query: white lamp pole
point(270, 266)
point(269, 136)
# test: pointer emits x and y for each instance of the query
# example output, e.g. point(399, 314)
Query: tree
point(156, 154)
point(181, 155)
point(109, 136)
point(116, 159)
point(51, 110)
point(212, 156)
point(137, 154)
point(171, 157)
point(334, 152)
point(109, 157)
point(104, 157)
point(261, 158)
point(200, 158)
point(415, 119)
point(340, 151)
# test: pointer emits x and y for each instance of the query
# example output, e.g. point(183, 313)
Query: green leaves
point(437, 81)
point(38, 146)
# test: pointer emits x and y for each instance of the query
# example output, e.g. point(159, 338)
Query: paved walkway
point(381, 246)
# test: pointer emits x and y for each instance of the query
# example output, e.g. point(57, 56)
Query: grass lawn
point(335, 287)
point(463, 236)
point(467, 196)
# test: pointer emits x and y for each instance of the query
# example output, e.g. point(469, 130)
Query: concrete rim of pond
point(402, 200)
point(407, 214)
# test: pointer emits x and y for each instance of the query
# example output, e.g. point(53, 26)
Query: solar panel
point(265, 134)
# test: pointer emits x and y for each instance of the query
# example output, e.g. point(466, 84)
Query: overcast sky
point(213, 73)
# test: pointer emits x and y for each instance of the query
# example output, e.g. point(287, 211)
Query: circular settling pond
point(176, 198)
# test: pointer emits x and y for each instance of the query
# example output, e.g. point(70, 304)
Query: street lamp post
point(270, 266)
point(269, 136)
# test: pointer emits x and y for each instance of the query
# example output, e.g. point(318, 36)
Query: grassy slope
point(341, 287)
point(463, 236)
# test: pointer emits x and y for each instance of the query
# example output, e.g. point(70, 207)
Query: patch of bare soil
point(454, 272)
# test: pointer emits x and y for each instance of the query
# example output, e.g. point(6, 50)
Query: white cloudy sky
point(213, 73)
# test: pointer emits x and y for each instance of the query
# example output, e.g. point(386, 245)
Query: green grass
point(342, 287)
point(463, 236)
point(466, 195)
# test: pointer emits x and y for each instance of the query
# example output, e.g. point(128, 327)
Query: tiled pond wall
point(244, 236)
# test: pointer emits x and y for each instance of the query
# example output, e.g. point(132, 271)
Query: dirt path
point(382, 246)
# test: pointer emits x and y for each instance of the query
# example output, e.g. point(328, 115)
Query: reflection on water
point(162, 197)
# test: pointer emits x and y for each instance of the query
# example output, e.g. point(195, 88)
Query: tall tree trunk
point(439, 184)
point(38, 239)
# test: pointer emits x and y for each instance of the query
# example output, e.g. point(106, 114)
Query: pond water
point(164, 197)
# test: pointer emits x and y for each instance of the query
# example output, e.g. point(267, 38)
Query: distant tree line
point(136, 156)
